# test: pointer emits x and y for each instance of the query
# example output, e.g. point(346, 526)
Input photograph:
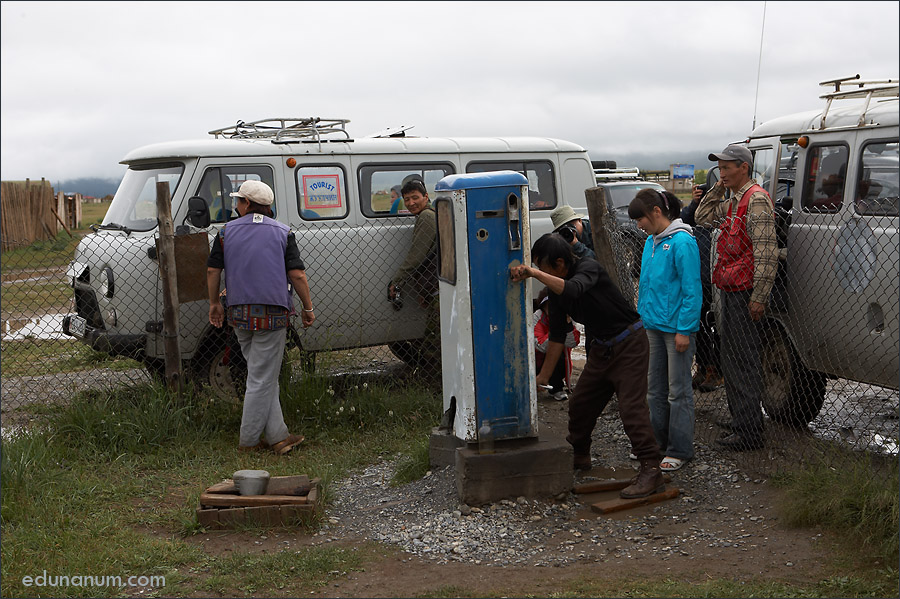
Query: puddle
point(48, 326)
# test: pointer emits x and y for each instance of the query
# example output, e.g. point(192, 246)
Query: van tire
point(221, 365)
point(410, 352)
point(793, 394)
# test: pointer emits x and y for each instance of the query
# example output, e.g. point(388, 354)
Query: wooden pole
point(602, 221)
point(56, 214)
point(166, 252)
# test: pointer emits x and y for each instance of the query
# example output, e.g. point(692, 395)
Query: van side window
point(541, 180)
point(219, 182)
point(763, 164)
point(826, 173)
point(321, 192)
point(380, 184)
point(878, 187)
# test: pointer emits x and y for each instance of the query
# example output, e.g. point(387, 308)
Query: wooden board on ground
point(278, 485)
point(613, 484)
point(616, 505)
point(288, 501)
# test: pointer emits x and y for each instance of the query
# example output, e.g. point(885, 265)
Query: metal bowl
point(251, 482)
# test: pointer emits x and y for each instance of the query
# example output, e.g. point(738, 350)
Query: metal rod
point(762, 34)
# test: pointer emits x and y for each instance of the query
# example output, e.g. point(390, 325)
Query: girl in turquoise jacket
point(669, 299)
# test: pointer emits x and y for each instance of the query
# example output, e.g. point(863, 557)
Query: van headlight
point(107, 282)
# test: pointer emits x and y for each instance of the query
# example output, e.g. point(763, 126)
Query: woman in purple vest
point(259, 256)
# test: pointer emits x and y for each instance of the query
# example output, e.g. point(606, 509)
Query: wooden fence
point(26, 213)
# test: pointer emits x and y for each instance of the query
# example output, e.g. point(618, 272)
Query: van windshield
point(134, 206)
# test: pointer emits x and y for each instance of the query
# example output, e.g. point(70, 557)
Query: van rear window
point(878, 188)
point(541, 179)
point(380, 185)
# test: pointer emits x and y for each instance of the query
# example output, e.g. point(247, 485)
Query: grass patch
point(832, 587)
point(414, 464)
point(34, 357)
point(42, 254)
point(111, 483)
point(34, 297)
point(859, 500)
point(92, 214)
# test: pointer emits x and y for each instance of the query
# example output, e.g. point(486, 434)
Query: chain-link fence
point(822, 363)
point(827, 347)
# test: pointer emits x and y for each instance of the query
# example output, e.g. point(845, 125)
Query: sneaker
point(560, 396)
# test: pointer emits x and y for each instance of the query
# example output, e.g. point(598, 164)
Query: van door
point(843, 256)
point(386, 230)
point(326, 226)
point(214, 180)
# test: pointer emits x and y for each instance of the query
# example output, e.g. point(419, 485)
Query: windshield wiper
point(115, 227)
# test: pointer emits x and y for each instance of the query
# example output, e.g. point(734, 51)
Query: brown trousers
point(621, 369)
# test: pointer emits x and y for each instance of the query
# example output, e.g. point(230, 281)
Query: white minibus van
point(335, 192)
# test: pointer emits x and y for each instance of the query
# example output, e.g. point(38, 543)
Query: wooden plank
point(223, 500)
point(56, 214)
point(617, 505)
point(289, 485)
point(264, 515)
point(613, 484)
point(278, 485)
point(226, 486)
point(207, 518)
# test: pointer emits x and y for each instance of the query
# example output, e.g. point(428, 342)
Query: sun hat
point(255, 191)
point(562, 215)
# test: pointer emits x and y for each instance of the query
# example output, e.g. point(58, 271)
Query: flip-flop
point(283, 447)
point(671, 464)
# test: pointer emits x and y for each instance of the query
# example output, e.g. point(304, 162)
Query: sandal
point(290, 442)
point(671, 464)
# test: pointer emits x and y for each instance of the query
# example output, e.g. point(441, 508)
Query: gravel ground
point(719, 510)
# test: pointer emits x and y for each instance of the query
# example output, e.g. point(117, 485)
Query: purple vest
point(254, 261)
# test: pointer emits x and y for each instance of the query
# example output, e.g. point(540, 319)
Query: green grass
point(41, 254)
point(836, 586)
point(92, 214)
point(850, 494)
point(82, 494)
point(33, 357)
point(110, 483)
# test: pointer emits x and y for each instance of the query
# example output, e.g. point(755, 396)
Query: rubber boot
point(648, 481)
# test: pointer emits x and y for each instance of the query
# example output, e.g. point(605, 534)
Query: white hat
point(255, 191)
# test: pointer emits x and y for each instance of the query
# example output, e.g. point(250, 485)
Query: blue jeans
point(670, 395)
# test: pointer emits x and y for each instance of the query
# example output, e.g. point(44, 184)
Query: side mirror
point(198, 212)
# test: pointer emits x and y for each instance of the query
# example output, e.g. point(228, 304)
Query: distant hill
point(656, 162)
point(88, 186)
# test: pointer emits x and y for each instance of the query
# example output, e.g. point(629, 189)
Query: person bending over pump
point(616, 364)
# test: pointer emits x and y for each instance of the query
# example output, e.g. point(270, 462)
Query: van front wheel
point(793, 393)
point(221, 365)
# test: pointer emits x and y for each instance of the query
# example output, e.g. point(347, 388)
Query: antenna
point(762, 34)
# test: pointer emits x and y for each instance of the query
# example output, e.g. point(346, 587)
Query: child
point(560, 380)
point(669, 299)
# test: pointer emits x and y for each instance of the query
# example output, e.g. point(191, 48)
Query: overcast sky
point(83, 83)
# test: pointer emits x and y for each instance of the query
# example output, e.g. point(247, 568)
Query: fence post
point(600, 218)
point(166, 252)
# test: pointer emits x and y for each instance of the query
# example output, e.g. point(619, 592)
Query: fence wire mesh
point(828, 347)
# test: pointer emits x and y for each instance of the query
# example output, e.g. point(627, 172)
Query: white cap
point(255, 191)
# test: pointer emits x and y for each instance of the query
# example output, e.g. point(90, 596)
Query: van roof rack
point(287, 130)
point(857, 88)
